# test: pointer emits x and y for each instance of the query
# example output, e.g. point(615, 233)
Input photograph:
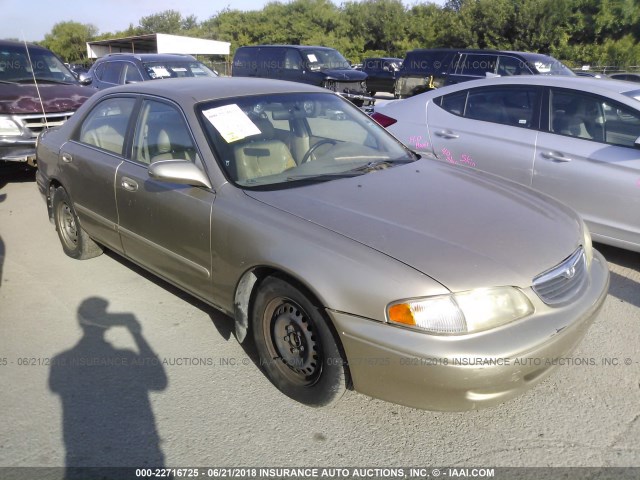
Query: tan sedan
point(348, 260)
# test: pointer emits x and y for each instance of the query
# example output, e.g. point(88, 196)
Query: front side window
point(292, 60)
point(591, 117)
point(111, 73)
point(477, 65)
point(105, 127)
point(281, 140)
point(508, 66)
point(162, 134)
point(131, 73)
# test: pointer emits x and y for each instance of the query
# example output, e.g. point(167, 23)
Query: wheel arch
point(54, 183)
point(245, 293)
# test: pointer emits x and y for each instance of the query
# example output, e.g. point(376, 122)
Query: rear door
point(587, 158)
point(489, 128)
point(91, 160)
point(165, 226)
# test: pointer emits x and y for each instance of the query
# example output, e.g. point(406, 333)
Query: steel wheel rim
point(292, 341)
point(68, 228)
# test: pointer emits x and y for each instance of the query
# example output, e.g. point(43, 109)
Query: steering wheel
point(314, 147)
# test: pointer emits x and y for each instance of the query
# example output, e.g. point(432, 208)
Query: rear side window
point(515, 106)
point(245, 60)
point(271, 58)
point(105, 127)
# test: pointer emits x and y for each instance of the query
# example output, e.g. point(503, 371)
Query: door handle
point(129, 184)
point(66, 158)
point(556, 157)
point(446, 134)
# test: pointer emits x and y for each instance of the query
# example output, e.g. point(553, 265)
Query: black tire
point(76, 243)
point(298, 351)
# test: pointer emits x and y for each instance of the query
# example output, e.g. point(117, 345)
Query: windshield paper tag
point(160, 71)
point(312, 58)
point(232, 123)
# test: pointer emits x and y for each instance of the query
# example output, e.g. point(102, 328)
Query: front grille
point(563, 282)
point(36, 123)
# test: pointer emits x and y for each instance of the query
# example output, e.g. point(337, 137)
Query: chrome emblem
point(569, 272)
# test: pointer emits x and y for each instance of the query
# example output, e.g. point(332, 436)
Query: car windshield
point(177, 69)
point(17, 66)
point(325, 58)
point(546, 65)
point(283, 140)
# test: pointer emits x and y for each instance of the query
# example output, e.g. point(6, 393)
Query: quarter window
point(106, 125)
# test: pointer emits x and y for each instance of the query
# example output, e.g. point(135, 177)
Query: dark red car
point(37, 91)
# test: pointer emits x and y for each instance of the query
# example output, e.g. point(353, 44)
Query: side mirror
point(637, 143)
point(179, 171)
point(85, 79)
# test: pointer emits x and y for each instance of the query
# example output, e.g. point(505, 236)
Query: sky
point(31, 20)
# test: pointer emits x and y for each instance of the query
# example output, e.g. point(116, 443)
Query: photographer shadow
point(106, 411)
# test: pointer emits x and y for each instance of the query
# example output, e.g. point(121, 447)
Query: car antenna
point(33, 73)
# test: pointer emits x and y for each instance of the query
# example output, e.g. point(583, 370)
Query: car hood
point(342, 74)
point(23, 98)
point(463, 228)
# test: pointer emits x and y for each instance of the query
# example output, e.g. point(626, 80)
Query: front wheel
point(76, 243)
point(297, 348)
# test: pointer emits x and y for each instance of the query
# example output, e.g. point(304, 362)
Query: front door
point(165, 226)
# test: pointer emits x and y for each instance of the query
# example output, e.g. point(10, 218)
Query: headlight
point(587, 245)
point(9, 128)
point(462, 313)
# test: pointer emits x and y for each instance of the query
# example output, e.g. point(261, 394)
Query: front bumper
point(18, 151)
point(467, 372)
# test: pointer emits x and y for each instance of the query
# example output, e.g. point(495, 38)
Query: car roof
point(196, 90)
point(392, 59)
point(297, 47)
point(14, 43)
point(589, 84)
point(158, 57)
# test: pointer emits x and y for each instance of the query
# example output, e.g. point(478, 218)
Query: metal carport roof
point(157, 43)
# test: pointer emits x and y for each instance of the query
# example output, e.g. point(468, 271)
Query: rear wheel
point(297, 348)
point(76, 243)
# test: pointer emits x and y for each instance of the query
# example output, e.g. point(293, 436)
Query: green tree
point(68, 39)
point(168, 21)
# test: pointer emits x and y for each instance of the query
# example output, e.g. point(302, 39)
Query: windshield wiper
point(323, 177)
point(380, 165)
point(354, 172)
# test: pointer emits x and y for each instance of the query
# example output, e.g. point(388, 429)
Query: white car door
point(493, 129)
point(588, 159)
